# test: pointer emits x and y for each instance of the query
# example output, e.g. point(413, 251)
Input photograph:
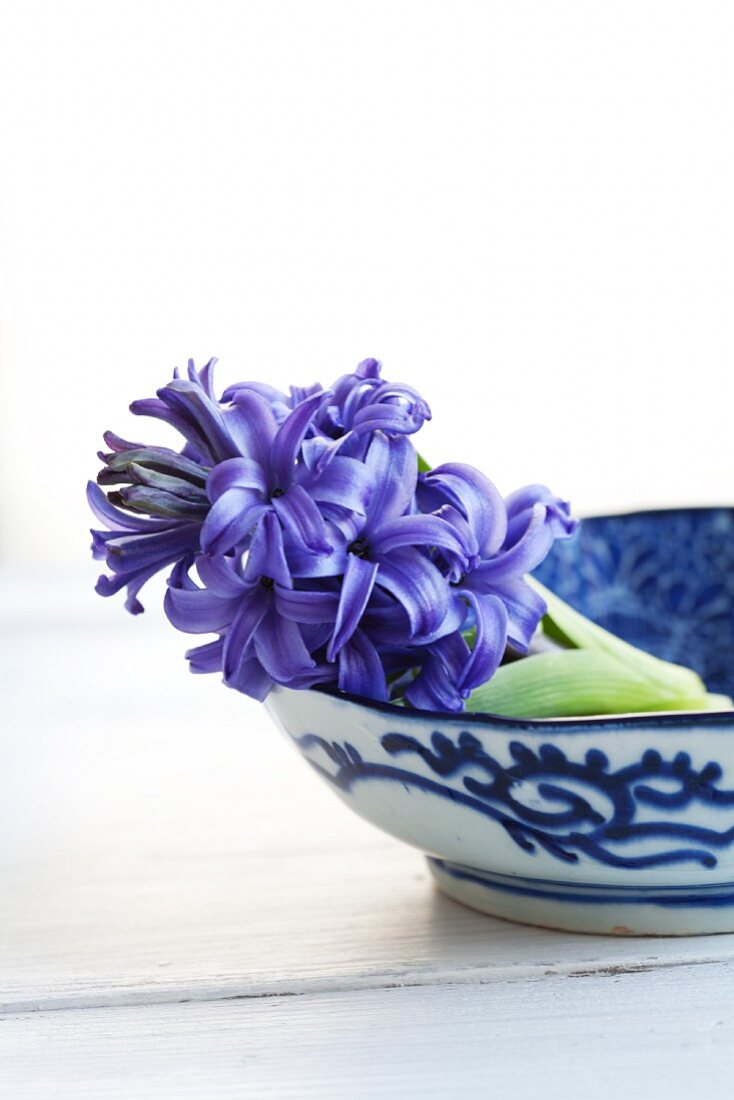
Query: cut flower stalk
point(597, 673)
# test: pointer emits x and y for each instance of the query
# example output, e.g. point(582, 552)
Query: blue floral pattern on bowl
point(662, 580)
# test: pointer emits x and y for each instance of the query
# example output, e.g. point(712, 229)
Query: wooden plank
point(665, 1033)
point(161, 841)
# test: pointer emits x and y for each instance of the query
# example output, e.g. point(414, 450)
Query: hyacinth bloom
point(359, 404)
point(269, 480)
point(135, 547)
point(297, 530)
point(511, 538)
point(388, 548)
point(266, 633)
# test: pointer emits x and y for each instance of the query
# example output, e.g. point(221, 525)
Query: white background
point(525, 209)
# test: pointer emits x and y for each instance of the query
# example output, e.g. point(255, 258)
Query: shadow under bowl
point(620, 825)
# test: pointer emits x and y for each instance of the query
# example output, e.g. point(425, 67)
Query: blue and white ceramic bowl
point(618, 825)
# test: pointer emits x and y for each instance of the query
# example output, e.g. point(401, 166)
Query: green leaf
point(567, 626)
point(577, 682)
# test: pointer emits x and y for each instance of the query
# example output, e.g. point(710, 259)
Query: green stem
point(577, 682)
point(597, 673)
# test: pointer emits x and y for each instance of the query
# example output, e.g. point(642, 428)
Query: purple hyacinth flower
point(512, 538)
point(359, 404)
point(282, 404)
point(535, 519)
point(322, 558)
point(159, 503)
point(269, 480)
point(136, 547)
point(211, 430)
point(387, 548)
point(363, 402)
point(238, 464)
point(267, 630)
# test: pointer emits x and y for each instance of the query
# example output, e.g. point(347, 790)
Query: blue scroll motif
point(567, 823)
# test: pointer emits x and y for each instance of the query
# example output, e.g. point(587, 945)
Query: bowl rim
point(669, 720)
point(656, 510)
point(659, 719)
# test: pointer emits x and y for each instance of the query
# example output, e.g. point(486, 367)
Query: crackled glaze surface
point(597, 824)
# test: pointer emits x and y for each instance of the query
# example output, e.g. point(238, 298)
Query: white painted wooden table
point(186, 911)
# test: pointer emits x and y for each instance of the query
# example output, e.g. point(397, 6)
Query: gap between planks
point(447, 978)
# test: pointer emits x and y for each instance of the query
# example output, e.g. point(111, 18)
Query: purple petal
point(117, 443)
point(266, 557)
point(392, 408)
point(473, 494)
point(134, 550)
point(134, 558)
point(199, 611)
point(269, 393)
point(313, 449)
point(386, 622)
point(231, 520)
point(133, 581)
point(360, 668)
point(524, 555)
point(368, 368)
point(252, 425)
point(235, 473)
point(321, 673)
point(521, 503)
point(300, 393)
point(490, 642)
point(436, 685)
point(219, 574)
point(432, 689)
point(289, 437)
point(458, 564)
point(525, 609)
point(344, 481)
point(114, 517)
point(251, 679)
point(419, 586)
point(99, 543)
point(189, 401)
point(356, 589)
point(301, 517)
point(206, 658)
point(315, 636)
point(239, 637)
point(205, 376)
point(151, 406)
point(351, 396)
point(392, 465)
point(280, 648)
point(311, 608)
point(158, 502)
point(416, 531)
point(453, 652)
point(304, 563)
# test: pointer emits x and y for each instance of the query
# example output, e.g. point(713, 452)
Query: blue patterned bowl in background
point(620, 825)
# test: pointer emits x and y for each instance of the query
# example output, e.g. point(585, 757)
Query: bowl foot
point(580, 907)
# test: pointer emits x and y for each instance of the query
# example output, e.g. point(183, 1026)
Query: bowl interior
point(662, 580)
